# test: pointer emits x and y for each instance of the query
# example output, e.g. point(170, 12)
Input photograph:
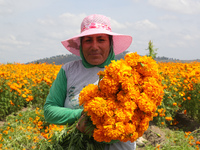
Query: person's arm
point(54, 110)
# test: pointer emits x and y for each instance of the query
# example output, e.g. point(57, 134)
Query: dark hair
point(110, 39)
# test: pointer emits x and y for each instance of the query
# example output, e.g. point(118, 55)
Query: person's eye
point(88, 40)
point(101, 40)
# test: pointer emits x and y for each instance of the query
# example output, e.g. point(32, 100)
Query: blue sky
point(34, 29)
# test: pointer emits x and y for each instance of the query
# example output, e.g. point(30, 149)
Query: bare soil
point(155, 135)
point(2, 123)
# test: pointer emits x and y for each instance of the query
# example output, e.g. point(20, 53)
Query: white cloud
point(177, 44)
point(72, 19)
point(116, 25)
point(5, 11)
point(11, 40)
point(181, 6)
point(15, 6)
point(188, 37)
point(46, 21)
point(168, 17)
point(5, 7)
point(144, 25)
point(63, 26)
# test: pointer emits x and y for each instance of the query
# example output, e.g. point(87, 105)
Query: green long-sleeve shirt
point(61, 106)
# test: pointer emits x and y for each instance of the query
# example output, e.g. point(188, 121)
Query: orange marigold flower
point(197, 147)
point(12, 103)
point(185, 112)
point(158, 146)
point(101, 73)
point(24, 95)
point(145, 104)
point(118, 70)
point(108, 85)
point(88, 93)
point(155, 114)
point(168, 118)
point(98, 106)
point(132, 59)
point(160, 110)
point(5, 132)
point(175, 122)
point(29, 98)
point(133, 137)
point(162, 115)
point(144, 124)
point(187, 133)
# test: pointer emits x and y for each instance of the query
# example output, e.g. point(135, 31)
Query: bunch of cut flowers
point(120, 107)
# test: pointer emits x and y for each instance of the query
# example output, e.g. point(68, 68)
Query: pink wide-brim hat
point(97, 24)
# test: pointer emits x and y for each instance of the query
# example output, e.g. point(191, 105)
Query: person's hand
point(81, 125)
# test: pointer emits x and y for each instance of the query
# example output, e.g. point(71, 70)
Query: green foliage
point(20, 131)
point(11, 100)
point(172, 96)
point(176, 140)
point(152, 50)
point(72, 139)
point(192, 101)
point(40, 93)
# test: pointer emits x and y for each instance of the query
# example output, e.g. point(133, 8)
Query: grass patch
point(22, 130)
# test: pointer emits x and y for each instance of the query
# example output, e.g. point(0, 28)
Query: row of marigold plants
point(22, 85)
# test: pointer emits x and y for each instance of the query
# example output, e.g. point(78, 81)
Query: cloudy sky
point(34, 29)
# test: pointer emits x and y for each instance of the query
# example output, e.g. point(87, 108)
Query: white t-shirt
point(77, 78)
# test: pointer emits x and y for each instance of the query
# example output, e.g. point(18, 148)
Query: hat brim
point(120, 42)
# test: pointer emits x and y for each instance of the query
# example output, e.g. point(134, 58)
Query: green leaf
point(142, 64)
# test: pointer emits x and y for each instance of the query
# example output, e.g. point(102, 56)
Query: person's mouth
point(94, 54)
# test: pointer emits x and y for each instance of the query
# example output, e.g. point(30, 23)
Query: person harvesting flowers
point(116, 99)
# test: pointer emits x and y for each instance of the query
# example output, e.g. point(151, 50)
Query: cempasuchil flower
point(87, 93)
point(108, 81)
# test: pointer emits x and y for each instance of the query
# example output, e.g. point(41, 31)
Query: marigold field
point(25, 86)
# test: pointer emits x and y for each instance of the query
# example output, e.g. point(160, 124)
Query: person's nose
point(95, 44)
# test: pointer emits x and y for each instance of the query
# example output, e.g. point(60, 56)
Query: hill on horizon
point(62, 59)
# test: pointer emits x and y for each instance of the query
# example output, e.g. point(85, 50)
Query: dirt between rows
point(150, 137)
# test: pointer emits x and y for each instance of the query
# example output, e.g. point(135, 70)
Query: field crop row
point(27, 85)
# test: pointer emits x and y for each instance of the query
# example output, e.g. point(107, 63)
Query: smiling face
point(96, 48)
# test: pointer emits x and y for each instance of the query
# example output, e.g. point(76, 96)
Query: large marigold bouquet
point(125, 100)
point(120, 107)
